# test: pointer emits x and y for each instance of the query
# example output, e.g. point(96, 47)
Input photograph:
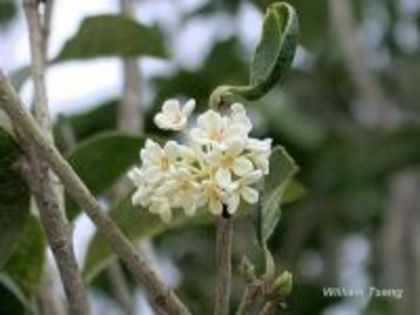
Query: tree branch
point(120, 288)
point(368, 87)
point(224, 264)
point(48, 299)
point(129, 114)
point(28, 130)
point(46, 188)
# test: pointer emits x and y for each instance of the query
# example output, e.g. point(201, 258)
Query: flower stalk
point(224, 264)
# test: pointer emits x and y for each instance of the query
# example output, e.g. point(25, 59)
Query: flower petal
point(161, 121)
point(263, 146)
point(238, 108)
point(215, 207)
point(136, 176)
point(151, 151)
point(198, 136)
point(233, 203)
point(188, 108)
point(190, 208)
point(223, 177)
point(171, 106)
point(137, 197)
point(153, 174)
point(210, 121)
point(235, 146)
point(249, 194)
point(242, 166)
point(251, 178)
point(171, 150)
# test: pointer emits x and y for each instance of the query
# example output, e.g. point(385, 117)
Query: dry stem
point(46, 188)
point(224, 264)
point(27, 129)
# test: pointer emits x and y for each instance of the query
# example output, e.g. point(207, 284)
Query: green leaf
point(276, 50)
point(98, 119)
point(112, 35)
point(12, 301)
point(138, 224)
point(8, 11)
point(282, 170)
point(14, 196)
point(273, 56)
point(101, 160)
point(313, 16)
point(294, 191)
point(26, 265)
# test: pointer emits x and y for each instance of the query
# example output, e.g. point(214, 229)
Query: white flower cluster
point(218, 166)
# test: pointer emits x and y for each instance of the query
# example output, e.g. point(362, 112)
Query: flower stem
point(224, 264)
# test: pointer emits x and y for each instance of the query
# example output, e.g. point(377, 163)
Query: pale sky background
point(68, 93)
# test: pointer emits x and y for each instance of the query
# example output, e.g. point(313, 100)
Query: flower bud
point(284, 283)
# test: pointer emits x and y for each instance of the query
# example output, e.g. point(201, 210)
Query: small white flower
point(140, 196)
point(136, 176)
point(238, 116)
point(172, 116)
point(212, 128)
point(242, 188)
point(260, 151)
point(157, 161)
point(214, 196)
point(229, 159)
point(185, 191)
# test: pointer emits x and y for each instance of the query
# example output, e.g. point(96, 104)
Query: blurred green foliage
point(8, 11)
point(14, 196)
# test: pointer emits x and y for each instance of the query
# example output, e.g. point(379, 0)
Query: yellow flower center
point(227, 161)
point(218, 136)
point(212, 192)
point(164, 163)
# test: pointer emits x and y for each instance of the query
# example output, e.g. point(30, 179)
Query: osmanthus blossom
point(218, 166)
point(173, 116)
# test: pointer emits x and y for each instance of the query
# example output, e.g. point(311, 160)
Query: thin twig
point(367, 85)
point(224, 264)
point(250, 299)
point(46, 188)
point(130, 119)
point(120, 288)
point(273, 307)
point(27, 129)
point(48, 297)
point(130, 104)
point(66, 132)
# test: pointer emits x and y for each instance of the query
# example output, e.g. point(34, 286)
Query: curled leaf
point(273, 56)
point(276, 50)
